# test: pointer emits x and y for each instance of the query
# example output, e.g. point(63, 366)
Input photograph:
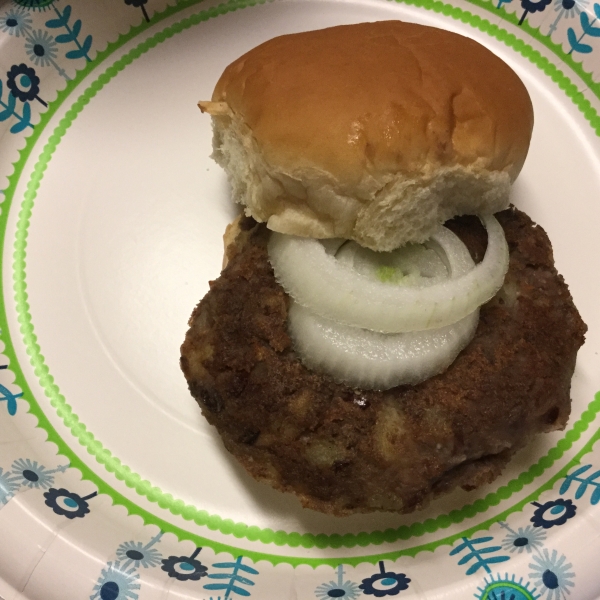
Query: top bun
point(375, 132)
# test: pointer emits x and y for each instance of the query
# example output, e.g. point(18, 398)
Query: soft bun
point(375, 132)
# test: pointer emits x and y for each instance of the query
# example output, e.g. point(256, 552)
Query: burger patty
point(343, 450)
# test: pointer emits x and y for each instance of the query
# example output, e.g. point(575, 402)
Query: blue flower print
point(34, 475)
point(551, 576)
point(68, 504)
point(116, 583)
point(523, 539)
point(41, 48)
point(566, 9)
point(552, 513)
point(23, 83)
point(184, 568)
point(384, 583)
point(533, 6)
point(341, 588)
point(506, 587)
point(15, 22)
point(139, 555)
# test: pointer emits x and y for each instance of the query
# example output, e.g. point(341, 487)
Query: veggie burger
point(387, 327)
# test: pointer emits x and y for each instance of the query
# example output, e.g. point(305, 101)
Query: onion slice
point(373, 360)
point(418, 265)
point(316, 280)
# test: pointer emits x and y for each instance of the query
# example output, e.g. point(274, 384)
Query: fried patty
point(343, 450)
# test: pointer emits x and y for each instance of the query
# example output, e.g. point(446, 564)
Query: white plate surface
point(113, 220)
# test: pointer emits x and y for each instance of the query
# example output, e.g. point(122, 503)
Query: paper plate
point(112, 485)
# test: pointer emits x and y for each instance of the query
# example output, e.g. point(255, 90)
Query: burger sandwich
point(387, 326)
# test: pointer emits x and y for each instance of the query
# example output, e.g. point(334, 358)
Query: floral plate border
point(73, 505)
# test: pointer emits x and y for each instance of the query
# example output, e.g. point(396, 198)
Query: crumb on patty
point(342, 450)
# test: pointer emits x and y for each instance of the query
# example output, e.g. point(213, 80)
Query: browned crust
point(342, 450)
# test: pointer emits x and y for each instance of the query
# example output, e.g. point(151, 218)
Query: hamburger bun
point(376, 132)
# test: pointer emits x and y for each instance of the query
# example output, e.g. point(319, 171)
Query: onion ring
point(335, 291)
point(376, 361)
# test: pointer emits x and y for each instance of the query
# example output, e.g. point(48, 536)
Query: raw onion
point(373, 360)
point(316, 280)
point(414, 264)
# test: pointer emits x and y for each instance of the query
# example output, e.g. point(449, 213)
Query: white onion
point(373, 360)
point(443, 256)
point(410, 265)
point(315, 279)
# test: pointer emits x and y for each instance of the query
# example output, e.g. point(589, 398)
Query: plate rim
point(144, 488)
